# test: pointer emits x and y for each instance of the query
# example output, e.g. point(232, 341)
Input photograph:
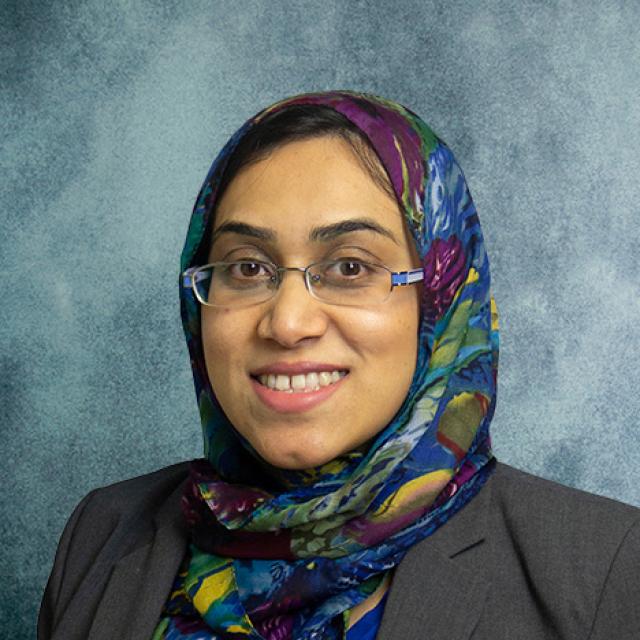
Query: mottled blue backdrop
point(110, 116)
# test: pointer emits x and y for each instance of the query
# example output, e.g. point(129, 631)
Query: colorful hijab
point(282, 554)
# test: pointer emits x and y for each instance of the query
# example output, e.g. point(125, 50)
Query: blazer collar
point(440, 587)
point(141, 580)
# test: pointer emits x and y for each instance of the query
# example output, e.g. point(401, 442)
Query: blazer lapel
point(440, 587)
point(141, 580)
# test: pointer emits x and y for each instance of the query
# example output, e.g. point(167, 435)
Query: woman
point(344, 343)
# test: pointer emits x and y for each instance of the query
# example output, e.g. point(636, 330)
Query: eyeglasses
point(345, 282)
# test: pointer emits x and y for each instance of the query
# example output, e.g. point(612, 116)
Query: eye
point(350, 268)
point(349, 271)
point(249, 270)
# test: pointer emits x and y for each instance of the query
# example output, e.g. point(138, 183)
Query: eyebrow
point(317, 234)
point(243, 229)
point(331, 231)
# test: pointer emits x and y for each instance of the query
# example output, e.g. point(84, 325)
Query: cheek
point(390, 336)
point(223, 338)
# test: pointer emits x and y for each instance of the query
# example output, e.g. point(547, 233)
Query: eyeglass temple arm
point(402, 278)
point(187, 277)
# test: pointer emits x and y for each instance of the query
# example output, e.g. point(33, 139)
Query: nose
point(292, 316)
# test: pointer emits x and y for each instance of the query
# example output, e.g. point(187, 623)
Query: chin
point(297, 459)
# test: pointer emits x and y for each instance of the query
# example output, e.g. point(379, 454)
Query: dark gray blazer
point(525, 559)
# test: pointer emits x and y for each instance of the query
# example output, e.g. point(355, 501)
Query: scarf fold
point(284, 554)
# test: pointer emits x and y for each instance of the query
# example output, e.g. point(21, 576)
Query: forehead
point(306, 183)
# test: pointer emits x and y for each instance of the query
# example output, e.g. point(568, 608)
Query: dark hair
point(291, 124)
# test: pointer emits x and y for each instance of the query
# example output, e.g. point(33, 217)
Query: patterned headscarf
point(282, 554)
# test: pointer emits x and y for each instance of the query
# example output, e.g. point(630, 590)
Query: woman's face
point(288, 205)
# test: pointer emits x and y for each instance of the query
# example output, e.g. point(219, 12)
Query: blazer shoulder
point(142, 494)
point(573, 556)
point(109, 523)
point(539, 499)
point(560, 531)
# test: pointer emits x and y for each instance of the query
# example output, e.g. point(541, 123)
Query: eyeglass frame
point(398, 279)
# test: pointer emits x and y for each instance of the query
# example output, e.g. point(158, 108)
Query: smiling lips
point(301, 382)
point(292, 388)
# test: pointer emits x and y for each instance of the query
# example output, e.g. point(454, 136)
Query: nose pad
point(292, 315)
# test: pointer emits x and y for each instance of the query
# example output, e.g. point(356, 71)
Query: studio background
point(110, 118)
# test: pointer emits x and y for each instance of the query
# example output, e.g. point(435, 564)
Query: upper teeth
point(301, 382)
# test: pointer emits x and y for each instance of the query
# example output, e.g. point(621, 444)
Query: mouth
point(298, 387)
point(300, 382)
